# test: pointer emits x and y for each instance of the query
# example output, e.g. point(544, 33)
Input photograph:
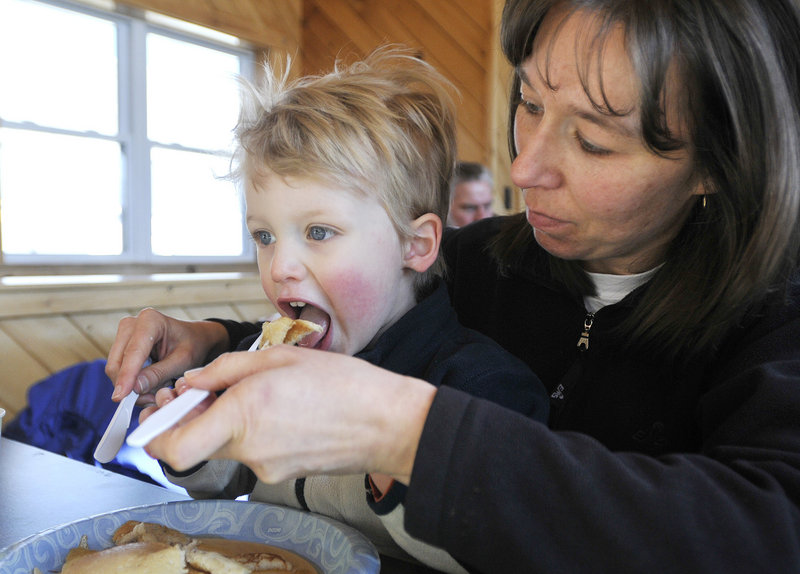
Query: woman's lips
point(544, 222)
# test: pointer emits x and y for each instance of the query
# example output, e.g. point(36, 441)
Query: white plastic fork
point(166, 417)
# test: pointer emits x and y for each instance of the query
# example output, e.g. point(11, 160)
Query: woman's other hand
point(168, 394)
point(289, 411)
point(173, 345)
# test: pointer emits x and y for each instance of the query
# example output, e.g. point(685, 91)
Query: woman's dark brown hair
point(738, 65)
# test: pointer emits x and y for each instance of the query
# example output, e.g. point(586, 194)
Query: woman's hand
point(172, 344)
point(168, 394)
point(289, 412)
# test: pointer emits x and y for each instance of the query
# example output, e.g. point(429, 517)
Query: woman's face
point(593, 191)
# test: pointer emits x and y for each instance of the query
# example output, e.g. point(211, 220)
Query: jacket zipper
point(583, 341)
point(559, 395)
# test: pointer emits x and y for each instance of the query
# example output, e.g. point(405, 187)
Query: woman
point(657, 145)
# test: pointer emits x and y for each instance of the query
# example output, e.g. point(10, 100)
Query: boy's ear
point(423, 248)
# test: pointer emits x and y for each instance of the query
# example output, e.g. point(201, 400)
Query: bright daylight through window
point(114, 137)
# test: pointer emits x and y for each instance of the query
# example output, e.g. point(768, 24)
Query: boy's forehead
point(266, 182)
point(266, 178)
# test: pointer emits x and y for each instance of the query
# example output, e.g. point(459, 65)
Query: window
point(114, 134)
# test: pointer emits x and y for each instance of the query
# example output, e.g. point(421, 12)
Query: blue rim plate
point(333, 547)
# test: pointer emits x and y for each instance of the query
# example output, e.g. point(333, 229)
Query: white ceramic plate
point(333, 547)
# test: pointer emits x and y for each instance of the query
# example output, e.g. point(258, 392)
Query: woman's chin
point(556, 246)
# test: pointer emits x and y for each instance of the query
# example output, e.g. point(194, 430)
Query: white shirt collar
point(611, 289)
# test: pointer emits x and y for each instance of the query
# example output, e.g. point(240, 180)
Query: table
point(40, 490)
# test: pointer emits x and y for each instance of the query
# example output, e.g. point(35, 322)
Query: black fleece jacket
point(646, 466)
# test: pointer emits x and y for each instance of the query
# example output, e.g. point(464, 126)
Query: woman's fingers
point(291, 411)
point(155, 402)
point(230, 368)
point(201, 435)
point(172, 344)
point(165, 396)
point(128, 354)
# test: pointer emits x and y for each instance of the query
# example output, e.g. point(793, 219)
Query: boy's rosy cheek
point(359, 292)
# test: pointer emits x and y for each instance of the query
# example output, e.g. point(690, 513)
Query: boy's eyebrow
point(601, 120)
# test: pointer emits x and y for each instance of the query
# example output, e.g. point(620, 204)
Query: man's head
point(471, 196)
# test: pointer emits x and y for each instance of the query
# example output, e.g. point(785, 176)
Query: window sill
point(28, 281)
point(58, 294)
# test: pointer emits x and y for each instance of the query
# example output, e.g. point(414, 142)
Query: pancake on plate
point(149, 548)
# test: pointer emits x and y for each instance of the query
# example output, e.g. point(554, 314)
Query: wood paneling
point(453, 36)
point(499, 81)
point(263, 23)
point(458, 37)
point(18, 370)
point(44, 329)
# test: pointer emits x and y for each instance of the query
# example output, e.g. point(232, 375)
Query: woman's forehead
point(576, 47)
point(594, 50)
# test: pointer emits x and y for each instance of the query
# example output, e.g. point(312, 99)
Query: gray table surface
point(40, 490)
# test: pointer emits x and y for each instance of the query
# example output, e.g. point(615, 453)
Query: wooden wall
point(45, 328)
point(459, 37)
point(453, 36)
point(271, 24)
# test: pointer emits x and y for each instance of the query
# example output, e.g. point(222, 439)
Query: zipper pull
point(583, 342)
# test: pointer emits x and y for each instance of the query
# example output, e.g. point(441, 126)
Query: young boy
point(347, 182)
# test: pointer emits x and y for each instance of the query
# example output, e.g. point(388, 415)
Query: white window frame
point(135, 146)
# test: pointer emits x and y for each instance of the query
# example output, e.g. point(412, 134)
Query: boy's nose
point(286, 264)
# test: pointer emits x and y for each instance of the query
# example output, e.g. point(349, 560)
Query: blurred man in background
point(471, 194)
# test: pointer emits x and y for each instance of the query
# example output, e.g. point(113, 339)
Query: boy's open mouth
point(308, 312)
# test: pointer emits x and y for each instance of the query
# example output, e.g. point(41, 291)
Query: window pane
point(60, 194)
point(59, 67)
point(192, 94)
point(193, 212)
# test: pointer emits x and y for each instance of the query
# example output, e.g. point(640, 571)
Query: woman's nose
point(536, 164)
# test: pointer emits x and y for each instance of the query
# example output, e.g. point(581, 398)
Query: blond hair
point(383, 126)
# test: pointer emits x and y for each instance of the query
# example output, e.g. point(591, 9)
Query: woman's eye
point(319, 233)
point(589, 147)
point(530, 107)
point(263, 237)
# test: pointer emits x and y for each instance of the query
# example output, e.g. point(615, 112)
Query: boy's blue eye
point(319, 233)
point(263, 237)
